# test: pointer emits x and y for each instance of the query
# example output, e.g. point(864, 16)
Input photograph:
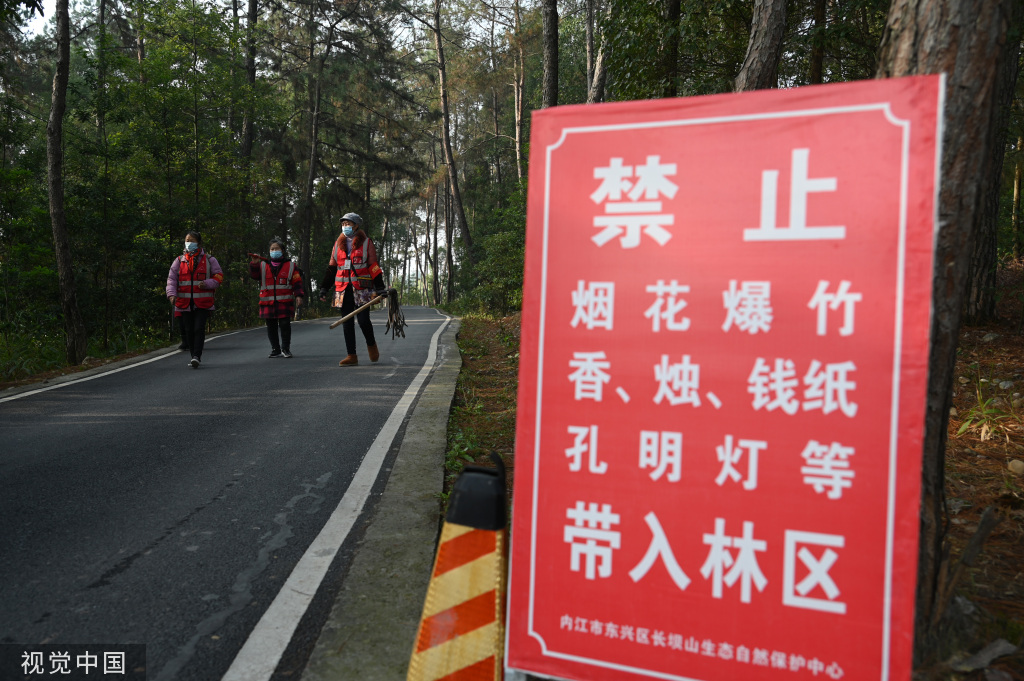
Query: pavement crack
point(127, 561)
point(241, 590)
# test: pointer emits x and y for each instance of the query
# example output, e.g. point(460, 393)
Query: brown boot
point(349, 361)
point(374, 352)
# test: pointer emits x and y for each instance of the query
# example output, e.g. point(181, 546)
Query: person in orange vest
point(281, 291)
point(355, 276)
point(191, 282)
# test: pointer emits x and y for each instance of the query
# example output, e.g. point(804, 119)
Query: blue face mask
point(347, 230)
point(191, 246)
point(276, 255)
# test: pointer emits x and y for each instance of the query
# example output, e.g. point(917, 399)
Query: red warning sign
point(722, 385)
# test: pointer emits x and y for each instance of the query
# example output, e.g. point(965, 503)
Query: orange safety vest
point(352, 269)
point(273, 290)
point(188, 283)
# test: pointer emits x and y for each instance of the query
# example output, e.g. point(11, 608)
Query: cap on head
point(353, 218)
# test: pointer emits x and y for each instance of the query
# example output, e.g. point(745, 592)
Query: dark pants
point(347, 305)
point(194, 324)
point(285, 324)
point(181, 328)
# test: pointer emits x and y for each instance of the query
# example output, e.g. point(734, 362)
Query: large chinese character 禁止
point(798, 594)
point(594, 304)
point(590, 537)
point(800, 185)
point(628, 219)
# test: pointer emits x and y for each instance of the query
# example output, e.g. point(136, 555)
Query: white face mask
point(191, 246)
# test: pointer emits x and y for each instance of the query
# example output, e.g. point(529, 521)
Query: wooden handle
point(356, 311)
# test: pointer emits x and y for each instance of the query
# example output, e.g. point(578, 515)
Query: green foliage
point(501, 291)
point(153, 149)
point(848, 39)
point(989, 417)
point(153, 142)
point(24, 353)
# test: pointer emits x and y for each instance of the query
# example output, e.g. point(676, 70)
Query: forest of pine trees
point(126, 123)
point(245, 119)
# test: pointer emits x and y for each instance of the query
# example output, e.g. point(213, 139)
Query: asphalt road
point(167, 506)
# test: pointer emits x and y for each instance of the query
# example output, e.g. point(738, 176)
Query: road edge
point(372, 625)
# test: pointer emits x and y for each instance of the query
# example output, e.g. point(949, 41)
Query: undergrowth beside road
point(483, 415)
point(986, 437)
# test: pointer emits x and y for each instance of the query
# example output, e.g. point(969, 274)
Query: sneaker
point(274, 353)
point(194, 363)
point(286, 354)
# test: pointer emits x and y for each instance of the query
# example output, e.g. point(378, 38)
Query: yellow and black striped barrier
point(461, 631)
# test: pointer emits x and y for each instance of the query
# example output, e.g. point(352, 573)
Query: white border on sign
point(884, 108)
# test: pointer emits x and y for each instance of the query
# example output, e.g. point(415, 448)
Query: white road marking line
point(173, 353)
point(262, 651)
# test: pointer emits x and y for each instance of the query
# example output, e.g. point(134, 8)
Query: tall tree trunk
point(405, 266)
point(816, 75)
point(980, 305)
point(317, 67)
point(1015, 213)
point(495, 149)
point(591, 17)
point(596, 85)
point(968, 40)
point(430, 207)
point(195, 120)
point(247, 119)
point(231, 71)
point(670, 48)
point(140, 41)
point(75, 341)
point(549, 12)
point(518, 80)
point(767, 29)
point(250, 78)
point(453, 175)
point(437, 219)
point(306, 219)
point(101, 132)
point(449, 259)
